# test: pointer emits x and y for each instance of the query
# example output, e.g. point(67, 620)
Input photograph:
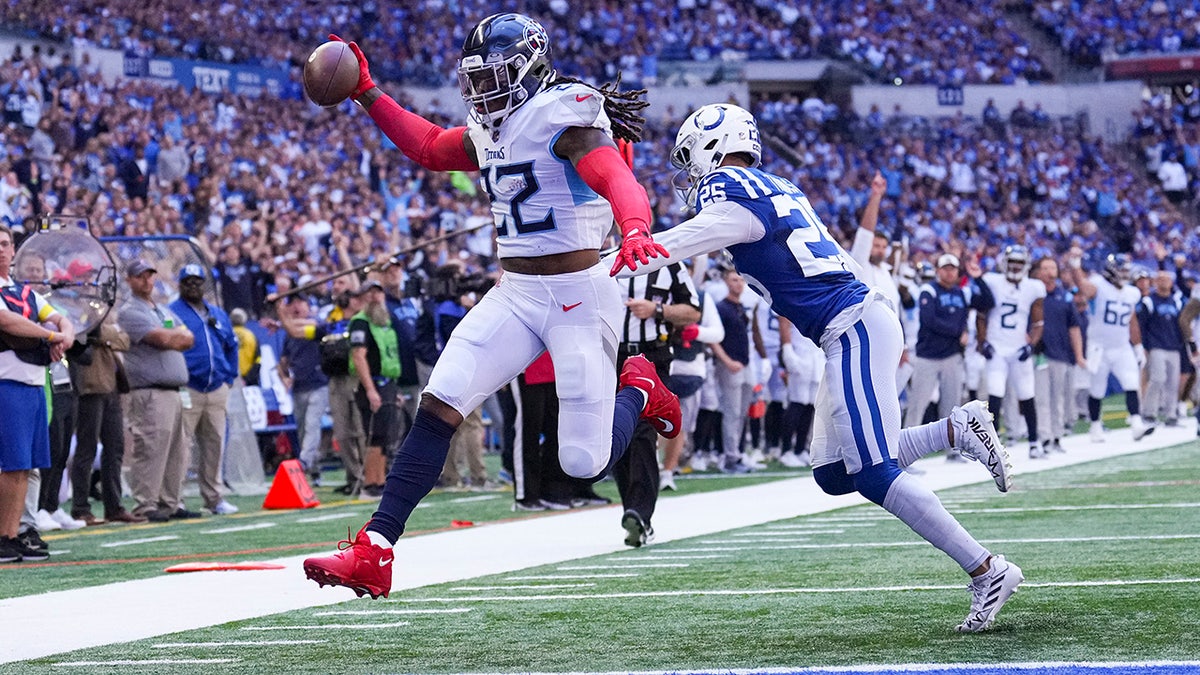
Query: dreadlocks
point(621, 106)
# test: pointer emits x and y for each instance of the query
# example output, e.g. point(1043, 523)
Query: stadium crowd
point(278, 196)
point(1093, 31)
point(419, 42)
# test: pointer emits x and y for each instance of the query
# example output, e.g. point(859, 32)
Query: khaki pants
point(204, 425)
point(466, 447)
point(347, 425)
point(158, 458)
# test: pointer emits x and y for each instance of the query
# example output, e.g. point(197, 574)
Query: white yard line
point(373, 612)
point(63, 621)
point(238, 528)
point(510, 587)
point(681, 557)
point(135, 542)
point(751, 546)
point(477, 498)
point(331, 516)
point(552, 577)
point(142, 662)
point(691, 593)
point(237, 643)
point(800, 528)
point(331, 626)
point(621, 566)
point(1081, 507)
point(785, 533)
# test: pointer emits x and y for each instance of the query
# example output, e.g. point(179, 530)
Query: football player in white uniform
point(1006, 335)
point(779, 244)
point(774, 388)
point(544, 148)
point(1114, 341)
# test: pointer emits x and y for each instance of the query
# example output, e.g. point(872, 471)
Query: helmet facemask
point(504, 69)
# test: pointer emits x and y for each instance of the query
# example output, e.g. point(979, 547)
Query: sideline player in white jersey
point(1114, 341)
point(1006, 335)
point(780, 246)
point(774, 387)
point(545, 151)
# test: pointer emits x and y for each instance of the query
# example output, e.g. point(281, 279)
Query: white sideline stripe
point(238, 528)
point(621, 566)
point(370, 612)
point(1087, 507)
point(126, 611)
point(477, 498)
point(681, 557)
point(509, 587)
point(910, 668)
point(551, 577)
point(765, 540)
point(134, 542)
point(60, 552)
point(331, 516)
point(236, 643)
point(141, 662)
point(790, 591)
point(1034, 540)
point(328, 626)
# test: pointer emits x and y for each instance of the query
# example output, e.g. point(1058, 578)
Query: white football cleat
point(989, 592)
point(1140, 428)
point(1096, 432)
point(975, 438)
point(666, 480)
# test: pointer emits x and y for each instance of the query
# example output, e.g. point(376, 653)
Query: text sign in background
point(214, 78)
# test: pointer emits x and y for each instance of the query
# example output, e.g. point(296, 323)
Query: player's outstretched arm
point(424, 142)
point(600, 165)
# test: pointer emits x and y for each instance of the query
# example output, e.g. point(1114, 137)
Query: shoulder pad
point(572, 104)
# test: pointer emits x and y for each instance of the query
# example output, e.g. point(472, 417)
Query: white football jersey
point(1008, 321)
point(768, 326)
point(1109, 313)
point(540, 203)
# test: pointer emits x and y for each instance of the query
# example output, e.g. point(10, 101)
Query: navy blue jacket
point(213, 359)
point(1158, 317)
point(943, 313)
point(1058, 310)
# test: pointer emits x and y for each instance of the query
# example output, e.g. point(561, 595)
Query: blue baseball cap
point(192, 270)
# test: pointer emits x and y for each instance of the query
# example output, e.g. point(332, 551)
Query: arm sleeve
point(717, 226)
point(711, 328)
point(605, 171)
point(860, 250)
point(424, 142)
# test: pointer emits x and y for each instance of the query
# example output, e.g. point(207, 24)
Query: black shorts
point(382, 425)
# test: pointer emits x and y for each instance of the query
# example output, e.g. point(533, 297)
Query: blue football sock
point(414, 472)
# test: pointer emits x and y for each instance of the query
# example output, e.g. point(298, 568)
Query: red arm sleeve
point(605, 171)
point(424, 142)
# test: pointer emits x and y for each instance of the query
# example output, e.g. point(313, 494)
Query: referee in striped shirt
point(654, 304)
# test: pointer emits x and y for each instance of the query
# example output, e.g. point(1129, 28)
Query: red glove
point(365, 83)
point(636, 247)
point(689, 333)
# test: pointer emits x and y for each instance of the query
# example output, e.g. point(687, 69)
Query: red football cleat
point(358, 565)
point(662, 406)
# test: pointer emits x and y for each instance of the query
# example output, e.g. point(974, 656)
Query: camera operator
point(212, 364)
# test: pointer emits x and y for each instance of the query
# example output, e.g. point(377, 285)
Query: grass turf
point(750, 607)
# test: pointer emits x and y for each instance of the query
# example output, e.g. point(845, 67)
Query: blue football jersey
point(796, 267)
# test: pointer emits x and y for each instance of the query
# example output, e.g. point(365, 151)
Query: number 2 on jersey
point(524, 182)
point(809, 241)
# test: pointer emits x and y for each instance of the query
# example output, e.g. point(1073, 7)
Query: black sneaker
point(348, 489)
point(182, 513)
point(31, 539)
point(528, 505)
point(589, 498)
point(637, 530)
point(30, 553)
point(10, 550)
point(156, 516)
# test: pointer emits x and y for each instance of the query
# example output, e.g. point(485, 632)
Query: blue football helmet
point(1016, 262)
point(505, 61)
point(1117, 269)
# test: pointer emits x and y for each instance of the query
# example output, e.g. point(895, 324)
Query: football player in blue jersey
point(780, 246)
point(544, 147)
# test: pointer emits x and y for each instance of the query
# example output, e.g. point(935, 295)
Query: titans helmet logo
point(536, 38)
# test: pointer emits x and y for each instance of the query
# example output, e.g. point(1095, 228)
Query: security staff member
point(1158, 317)
point(655, 302)
point(375, 359)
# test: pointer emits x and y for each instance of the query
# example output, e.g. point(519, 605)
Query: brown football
point(330, 73)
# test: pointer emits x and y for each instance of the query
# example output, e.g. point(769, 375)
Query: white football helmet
point(1016, 262)
point(706, 137)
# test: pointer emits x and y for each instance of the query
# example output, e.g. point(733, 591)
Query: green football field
point(1108, 549)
